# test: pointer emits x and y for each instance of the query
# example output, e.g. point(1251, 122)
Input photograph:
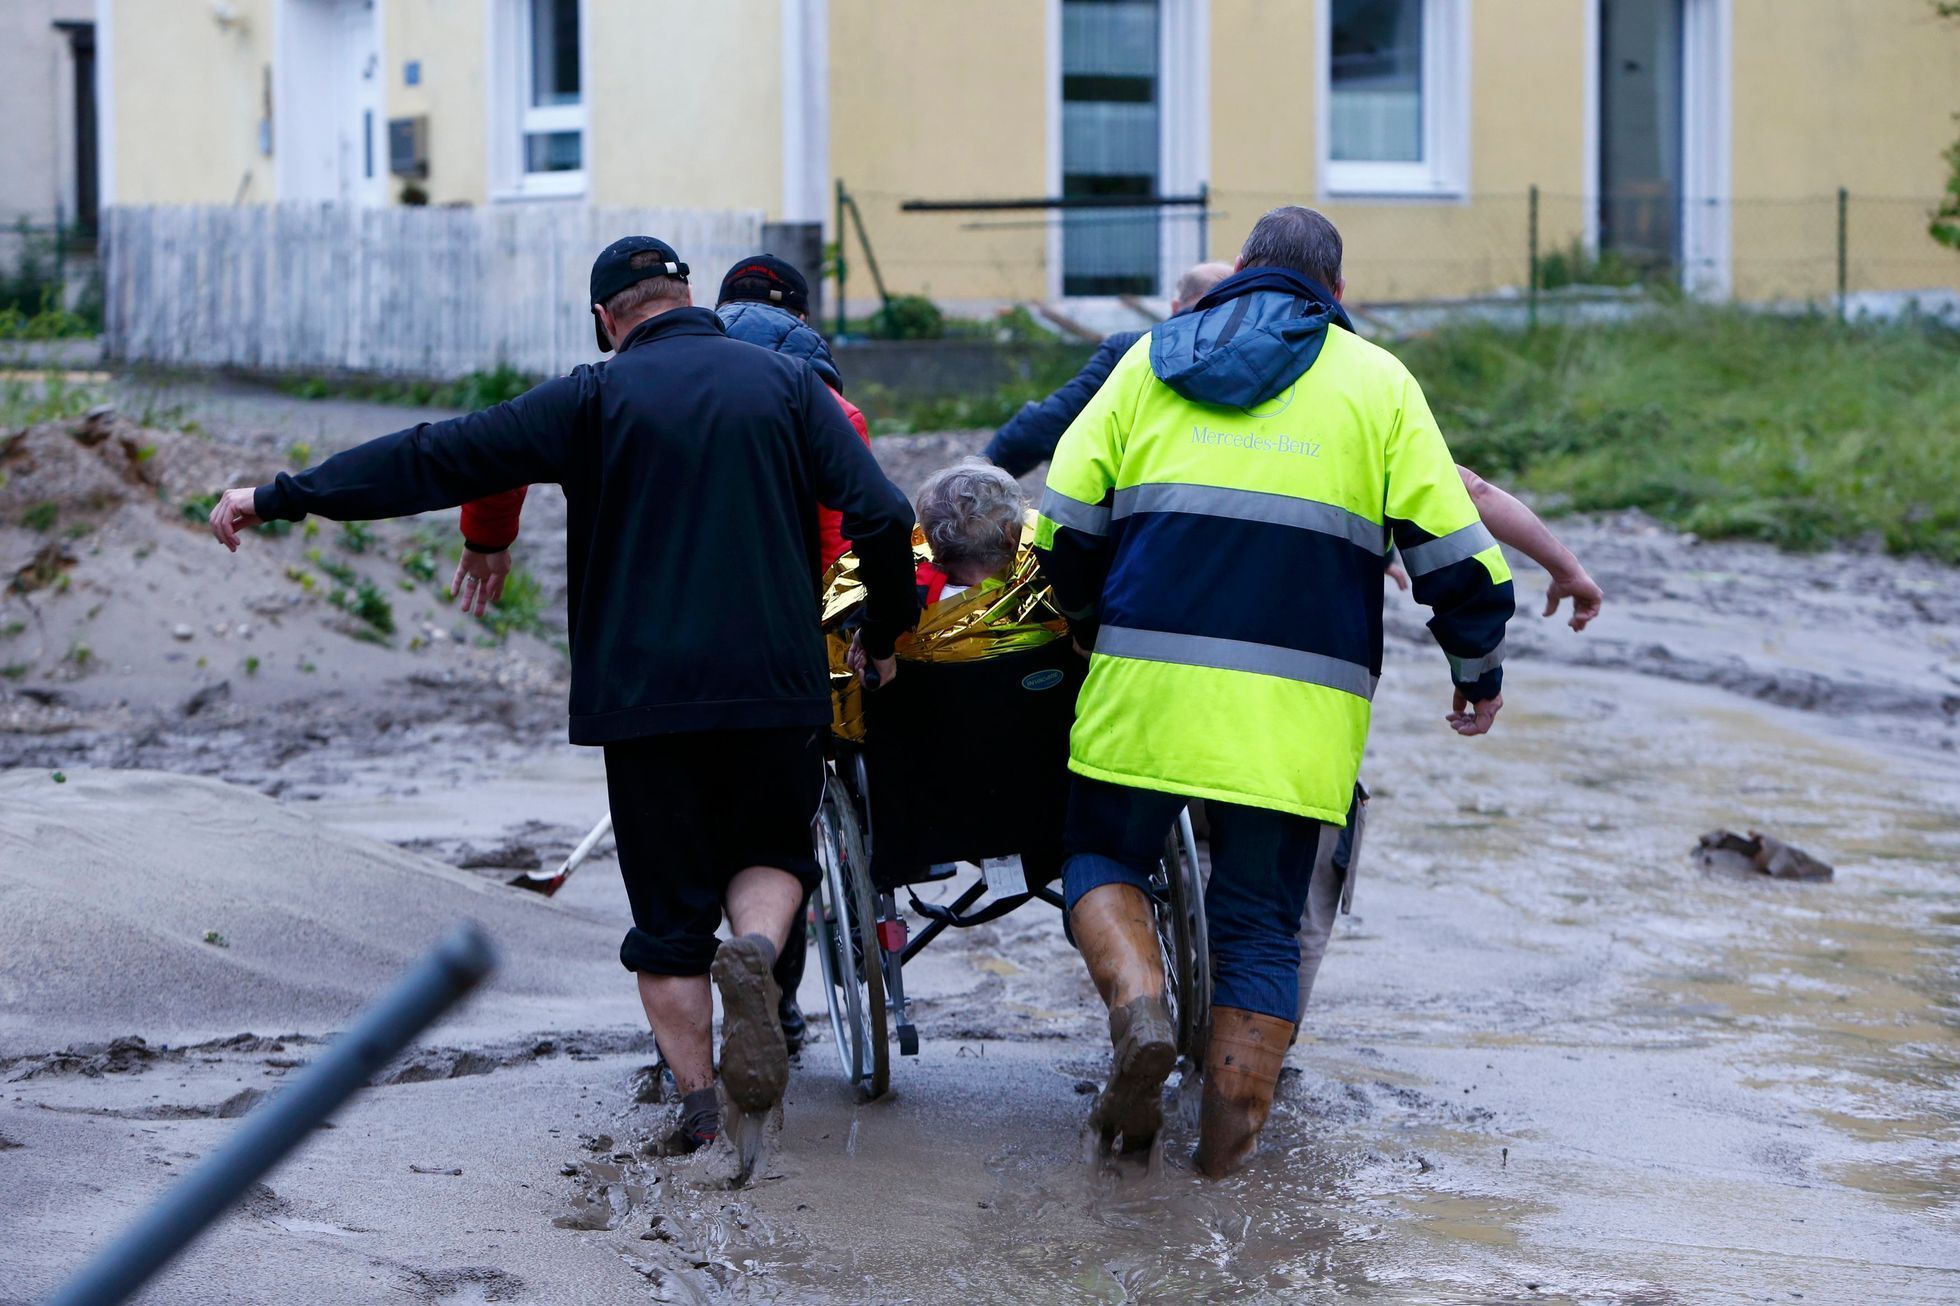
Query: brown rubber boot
point(1117, 933)
point(1241, 1071)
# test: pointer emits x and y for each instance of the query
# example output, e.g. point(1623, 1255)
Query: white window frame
point(512, 117)
point(1444, 171)
point(1183, 133)
point(1707, 143)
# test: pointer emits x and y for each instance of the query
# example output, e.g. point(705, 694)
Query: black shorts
point(690, 811)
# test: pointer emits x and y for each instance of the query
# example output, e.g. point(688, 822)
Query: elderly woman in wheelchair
point(905, 809)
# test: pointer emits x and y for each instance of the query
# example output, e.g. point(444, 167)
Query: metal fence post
point(839, 237)
point(60, 260)
point(1843, 251)
point(1531, 292)
point(1204, 222)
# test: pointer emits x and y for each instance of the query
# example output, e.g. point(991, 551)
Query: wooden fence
point(419, 292)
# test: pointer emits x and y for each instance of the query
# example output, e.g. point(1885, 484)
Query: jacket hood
point(1254, 335)
point(783, 332)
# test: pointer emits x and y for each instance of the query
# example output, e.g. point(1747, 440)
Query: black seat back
point(970, 759)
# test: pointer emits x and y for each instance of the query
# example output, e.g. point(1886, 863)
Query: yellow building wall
point(685, 103)
point(188, 100)
point(944, 99)
point(448, 39)
point(1527, 64)
point(1828, 93)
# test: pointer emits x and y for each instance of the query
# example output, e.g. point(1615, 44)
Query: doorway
point(328, 113)
point(1641, 49)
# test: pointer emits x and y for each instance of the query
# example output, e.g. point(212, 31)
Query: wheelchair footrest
point(908, 1040)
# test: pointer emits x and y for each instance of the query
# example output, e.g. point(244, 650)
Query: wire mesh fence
point(1811, 249)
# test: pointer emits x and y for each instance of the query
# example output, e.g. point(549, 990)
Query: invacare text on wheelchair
point(885, 828)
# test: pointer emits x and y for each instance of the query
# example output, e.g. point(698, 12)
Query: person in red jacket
point(763, 301)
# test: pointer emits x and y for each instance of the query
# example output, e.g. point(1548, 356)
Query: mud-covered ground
point(1548, 1059)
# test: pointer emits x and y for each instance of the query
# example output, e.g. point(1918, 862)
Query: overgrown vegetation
point(520, 607)
point(895, 415)
point(1576, 266)
point(356, 536)
point(1799, 431)
point(31, 402)
point(31, 293)
point(477, 390)
point(355, 595)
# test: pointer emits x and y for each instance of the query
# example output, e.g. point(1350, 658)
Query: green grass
point(29, 403)
point(41, 516)
point(893, 415)
point(477, 390)
point(353, 594)
point(356, 536)
point(198, 507)
point(1799, 431)
point(519, 608)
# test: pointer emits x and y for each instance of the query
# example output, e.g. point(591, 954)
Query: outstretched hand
point(1467, 718)
point(1584, 592)
point(235, 511)
point(479, 579)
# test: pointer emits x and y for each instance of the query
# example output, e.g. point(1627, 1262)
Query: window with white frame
point(538, 98)
point(1395, 102)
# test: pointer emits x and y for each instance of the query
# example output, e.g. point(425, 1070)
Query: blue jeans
point(1261, 864)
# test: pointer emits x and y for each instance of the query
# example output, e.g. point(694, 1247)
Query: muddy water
point(1548, 1060)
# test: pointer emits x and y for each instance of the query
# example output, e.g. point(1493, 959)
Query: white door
point(327, 102)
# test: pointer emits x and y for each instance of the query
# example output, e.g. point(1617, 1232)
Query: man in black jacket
point(692, 466)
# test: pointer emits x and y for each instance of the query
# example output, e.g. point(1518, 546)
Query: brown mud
point(1548, 1059)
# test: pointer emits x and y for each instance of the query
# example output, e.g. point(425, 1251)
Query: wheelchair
point(884, 829)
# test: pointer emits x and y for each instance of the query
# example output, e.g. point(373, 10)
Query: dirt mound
point(64, 474)
point(222, 910)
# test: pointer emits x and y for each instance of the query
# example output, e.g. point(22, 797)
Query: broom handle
point(587, 844)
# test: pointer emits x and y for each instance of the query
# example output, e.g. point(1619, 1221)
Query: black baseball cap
point(765, 279)
point(613, 271)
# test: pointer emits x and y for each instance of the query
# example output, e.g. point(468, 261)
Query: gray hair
point(971, 513)
point(1298, 239)
point(1198, 280)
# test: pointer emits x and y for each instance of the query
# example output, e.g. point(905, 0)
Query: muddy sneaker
point(754, 1060)
point(1131, 1105)
point(698, 1126)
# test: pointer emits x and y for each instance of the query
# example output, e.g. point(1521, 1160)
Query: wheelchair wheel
point(844, 934)
point(1181, 932)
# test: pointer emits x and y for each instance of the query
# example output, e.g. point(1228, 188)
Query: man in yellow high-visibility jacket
point(1216, 525)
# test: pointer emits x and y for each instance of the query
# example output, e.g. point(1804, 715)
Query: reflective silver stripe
point(1089, 518)
point(1454, 547)
point(1465, 670)
point(1253, 505)
point(1236, 655)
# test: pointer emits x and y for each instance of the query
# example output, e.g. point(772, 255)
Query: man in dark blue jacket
point(692, 467)
point(1030, 436)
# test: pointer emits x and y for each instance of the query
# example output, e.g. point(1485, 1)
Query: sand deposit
point(1549, 1059)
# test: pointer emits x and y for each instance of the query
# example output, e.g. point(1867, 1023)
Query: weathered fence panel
point(416, 292)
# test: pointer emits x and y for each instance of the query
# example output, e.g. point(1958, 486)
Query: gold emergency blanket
point(991, 620)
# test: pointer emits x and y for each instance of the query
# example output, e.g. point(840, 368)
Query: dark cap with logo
point(765, 279)
point(613, 271)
